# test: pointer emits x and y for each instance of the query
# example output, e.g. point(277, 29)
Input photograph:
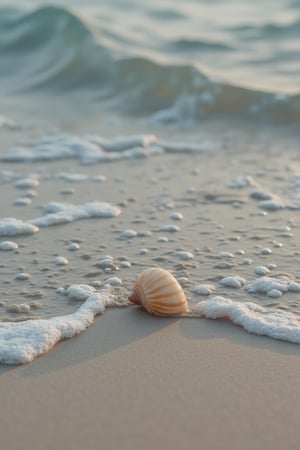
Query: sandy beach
point(145, 134)
point(133, 381)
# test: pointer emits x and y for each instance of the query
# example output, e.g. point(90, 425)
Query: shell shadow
point(116, 328)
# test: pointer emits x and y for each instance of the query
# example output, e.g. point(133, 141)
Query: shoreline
point(135, 381)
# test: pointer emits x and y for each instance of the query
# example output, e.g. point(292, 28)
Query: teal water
point(165, 60)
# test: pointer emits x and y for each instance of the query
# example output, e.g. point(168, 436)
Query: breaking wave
point(53, 49)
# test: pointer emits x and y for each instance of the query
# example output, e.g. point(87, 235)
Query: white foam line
point(59, 213)
point(95, 149)
point(253, 318)
point(22, 342)
point(88, 150)
point(121, 143)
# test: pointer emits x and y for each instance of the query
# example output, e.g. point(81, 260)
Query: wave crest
point(55, 49)
point(31, 30)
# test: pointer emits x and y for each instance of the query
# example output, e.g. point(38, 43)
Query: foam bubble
point(233, 281)
point(24, 307)
point(10, 226)
point(241, 182)
point(225, 255)
point(114, 281)
point(274, 293)
point(264, 285)
point(261, 270)
point(61, 261)
point(204, 289)
point(72, 177)
point(176, 216)
point(163, 239)
point(169, 228)
point(265, 251)
point(128, 234)
point(247, 261)
point(61, 290)
point(185, 256)
point(80, 291)
point(98, 178)
point(27, 183)
point(73, 246)
point(261, 195)
point(182, 281)
point(22, 201)
point(22, 276)
point(8, 245)
point(125, 264)
point(30, 194)
point(272, 205)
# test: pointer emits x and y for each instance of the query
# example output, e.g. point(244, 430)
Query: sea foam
point(9, 226)
point(56, 214)
point(96, 149)
point(21, 342)
point(253, 318)
point(59, 213)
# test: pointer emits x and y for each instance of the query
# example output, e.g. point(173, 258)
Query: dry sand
point(133, 381)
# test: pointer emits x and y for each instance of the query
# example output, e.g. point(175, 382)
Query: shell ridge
point(166, 295)
point(166, 286)
point(152, 279)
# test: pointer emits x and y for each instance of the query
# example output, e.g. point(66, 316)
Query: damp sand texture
point(227, 236)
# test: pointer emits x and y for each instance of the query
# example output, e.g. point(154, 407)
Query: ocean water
point(168, 61)
point(97, 97)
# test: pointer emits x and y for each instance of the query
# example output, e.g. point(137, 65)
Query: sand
point(133, 381)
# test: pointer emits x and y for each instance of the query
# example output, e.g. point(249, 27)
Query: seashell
point(159, 293)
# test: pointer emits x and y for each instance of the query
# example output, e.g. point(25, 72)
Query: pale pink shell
point(159, 293)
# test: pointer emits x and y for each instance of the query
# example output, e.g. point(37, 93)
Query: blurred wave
point(54, 49)
point(271, 30)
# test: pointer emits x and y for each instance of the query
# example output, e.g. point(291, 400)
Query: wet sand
point(134, 381)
